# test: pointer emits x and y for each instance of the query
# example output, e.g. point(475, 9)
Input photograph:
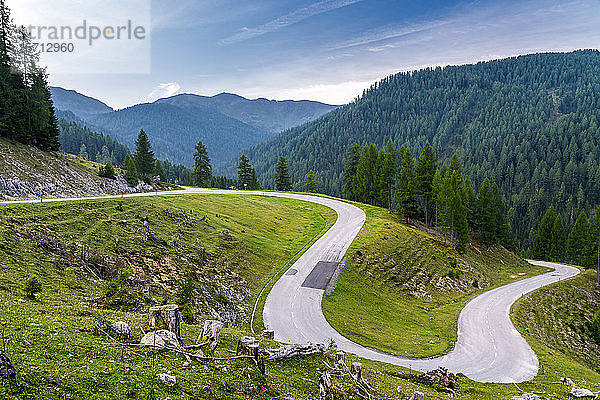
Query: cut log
point(292, 350)
point(326, 386)
point(211, 331)
point(169, 316)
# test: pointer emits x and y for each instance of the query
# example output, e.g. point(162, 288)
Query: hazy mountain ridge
point(226, 123)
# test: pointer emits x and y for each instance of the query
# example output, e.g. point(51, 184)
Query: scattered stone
point(7, 369)
point(443, 379)
point(566, 381)
point(582, 393)
point(418, 396)
point(281, 398)
point(160, 339)
point(526, 396)
point(121, 328)
point(168, 380)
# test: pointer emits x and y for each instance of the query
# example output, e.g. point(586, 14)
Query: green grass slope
point(403, 288)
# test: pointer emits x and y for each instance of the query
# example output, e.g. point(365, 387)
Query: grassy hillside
point(59, 353)
point(403, 288)
point(558, 318)
point(27, 172)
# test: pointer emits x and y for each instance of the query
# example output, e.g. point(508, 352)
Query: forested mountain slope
point(529, 123)
point(80, 105)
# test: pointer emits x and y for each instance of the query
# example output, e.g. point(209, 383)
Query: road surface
point(488, 349)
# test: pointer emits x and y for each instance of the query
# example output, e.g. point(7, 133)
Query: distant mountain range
point(226, 123)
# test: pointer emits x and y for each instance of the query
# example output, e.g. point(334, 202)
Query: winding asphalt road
point(488, 349)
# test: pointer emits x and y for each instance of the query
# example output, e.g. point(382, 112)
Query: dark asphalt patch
point(320, 276)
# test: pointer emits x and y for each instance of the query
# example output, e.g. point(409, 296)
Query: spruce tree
point(202, 168)
point(131, 174)
point(144, 157)
point(458, 212)
point(557, 240)
point(387, 175)
point(254, 184)
point(486, 213)
point(406, 192)
point(310, 183)
point(282, 176)
point(350, 171)
point(425, 171)
point(543, 241)
point(579, 244)
point(244, 173)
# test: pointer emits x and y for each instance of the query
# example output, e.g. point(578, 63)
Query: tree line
point(581, 246)
point(439, 195)
point(26, 109)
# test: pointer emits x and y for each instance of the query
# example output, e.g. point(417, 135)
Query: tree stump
point(169, 316)
point(211, 331)
point(268, 334)
point(325, 386)
point(340, 357)
point(248, 346)
point(356, 372)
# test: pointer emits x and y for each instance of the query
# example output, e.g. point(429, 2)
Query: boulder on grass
point(168, 380)
point(121, 328)
point(161, 339)
point(580, 393)
point(526, 396)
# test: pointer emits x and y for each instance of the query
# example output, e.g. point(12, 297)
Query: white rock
point(160, 339)
point(121, 328)
point(418, 396)
point(526, 396)
point(168, 380)
point(582, 393)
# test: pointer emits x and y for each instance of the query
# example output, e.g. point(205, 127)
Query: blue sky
point(331, 50)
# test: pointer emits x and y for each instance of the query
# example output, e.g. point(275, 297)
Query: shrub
point(32, 287)
point(596, 327)
point(187, 314)
point(107, 171)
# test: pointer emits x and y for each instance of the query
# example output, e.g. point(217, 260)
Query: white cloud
point(330, 93)
point(288, 19)
point(164, 90)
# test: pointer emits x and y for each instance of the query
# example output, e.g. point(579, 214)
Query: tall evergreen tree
point(202, 168)
point(458, 212)
point(350, 171)
point(406, 192)
point(558, 239)
point(245, 176)
point(542, 247)
point(487, 222)
point(131, 174)
point(310, 183)
point(282, 176)
point(579, 244)
point(387, 175)
point(144, 157)
point(425, 171)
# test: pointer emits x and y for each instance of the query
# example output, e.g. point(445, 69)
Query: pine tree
point(458, 212)
point(144, 157)
point(387, 175)
point(254, 184)
point(107, 171)
point(282, 176)
point(486, 214)
point(543, 241)
point(202, 168)
point(425, 171)
point(83, 152)
point(160, 171)
point(557, 240)
point(579, 244)
point(310, 184)
point(406, 192)
point(350, 171)
point(364, 187)
point(244, 173)
point(131, 174)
